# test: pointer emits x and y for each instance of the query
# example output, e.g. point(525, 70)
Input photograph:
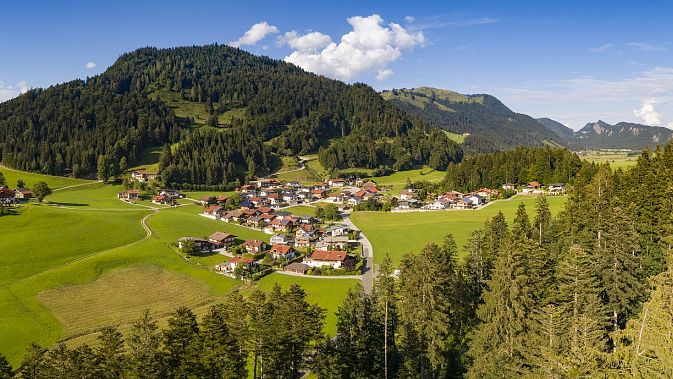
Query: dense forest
point(517, 166)
point(491, 125)
point(587, 293)
point(279, 107)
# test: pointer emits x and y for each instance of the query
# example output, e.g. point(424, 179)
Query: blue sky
point(573, 61)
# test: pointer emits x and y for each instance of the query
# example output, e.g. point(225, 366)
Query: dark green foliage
point(144, 358)
point(182, 331)
point(5, 368)
point(41, 190)
point(31, 365)
point(521, 165)
point(110, 353)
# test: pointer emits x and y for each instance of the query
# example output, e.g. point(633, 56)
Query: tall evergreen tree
point(110, 353)
point(181, 332)
point(6, 371)
point(32, 363)
point(144, 342)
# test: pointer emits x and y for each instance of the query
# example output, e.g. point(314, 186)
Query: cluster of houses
point(537, 188)
point(143, 176)
point(165, 197)
point(408, 199)
point(18, 195)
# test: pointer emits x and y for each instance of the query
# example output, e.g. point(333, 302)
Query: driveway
point(367, 254)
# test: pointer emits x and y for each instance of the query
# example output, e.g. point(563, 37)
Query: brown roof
point(212, 209)
point(281, 249)
point(254, 243)
point(322, 255)
point(296, 266)
point(244, 260)
point(220, 236)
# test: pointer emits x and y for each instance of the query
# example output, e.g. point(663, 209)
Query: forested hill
point(253, 106)
point(491, 125)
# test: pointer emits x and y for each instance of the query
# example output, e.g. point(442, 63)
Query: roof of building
point(220, 236)
point(254, 243)
point(329, 255)
point(244, 260)
point(281, 249)
point(297, 266)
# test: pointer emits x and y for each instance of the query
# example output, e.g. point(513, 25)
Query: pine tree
point(110, 353)
point(645, 346)
point(181, 332)
point(6, 371)
point(542, 222)
point(219, 353)
point(144, 358)
point(385, 297)
point(31, 365)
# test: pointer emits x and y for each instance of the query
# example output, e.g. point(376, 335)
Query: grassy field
point(301, 210)
point(455, 137)
point(616, 159)
point(30, 179)
point(396, 181)
point(400, 233)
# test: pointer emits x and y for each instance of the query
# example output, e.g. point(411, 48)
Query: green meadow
point(399, 233)
point(82, 260)
point(396, 181)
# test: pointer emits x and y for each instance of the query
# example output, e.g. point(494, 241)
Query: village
point(316, 245)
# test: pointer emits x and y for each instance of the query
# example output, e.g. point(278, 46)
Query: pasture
point(616, 159)
point(400, 233)
point(396, 181)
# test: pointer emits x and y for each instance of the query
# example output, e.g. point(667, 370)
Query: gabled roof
point(281, 249)
point(254, 243)
point(244, 260)
point(334, 256)
point(213, 209)
point(220, 236)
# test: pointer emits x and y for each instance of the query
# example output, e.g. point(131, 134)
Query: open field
point(301, 210)
point(455, 137)
point(616, 159)
point(397, 180)
point(30, 179)
point(400, 233)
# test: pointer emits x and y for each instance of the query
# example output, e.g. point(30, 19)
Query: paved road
point(368, 254)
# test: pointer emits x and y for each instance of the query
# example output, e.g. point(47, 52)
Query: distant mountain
point(491, 125)
point(558, 128)
point(623, 135)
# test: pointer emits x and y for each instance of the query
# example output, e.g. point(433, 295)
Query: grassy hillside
point(400, 233)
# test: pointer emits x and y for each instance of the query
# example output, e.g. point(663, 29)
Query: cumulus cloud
point(255, 34)
point(10, 91)
point(383, 74)
point(369, 47)
point(309, 41)
point(90, 65)
point(409, 19)
point(648, 114)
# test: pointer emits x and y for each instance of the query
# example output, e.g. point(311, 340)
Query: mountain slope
point(623, 135)
point(491, 125)
point(558, 128)
point(254, 106)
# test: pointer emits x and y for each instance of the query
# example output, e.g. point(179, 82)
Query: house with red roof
point(254, 246)
point(230, 266)
point(281, 250)
point(333, 258)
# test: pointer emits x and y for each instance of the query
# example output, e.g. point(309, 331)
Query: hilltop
point(225, 111)
point(490, 124)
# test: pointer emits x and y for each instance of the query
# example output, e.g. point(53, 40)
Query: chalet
point(255, 222)
point(279, 239)
point(6, 196)
point(338, 183)
point(353, 201)
point(407, 204)
point(128, 195)
point(297, 268)
point(335, 197)
point(462, 204)
point(336, 242)
point(171, 193)
point(254, 246)
point(234, 216)
point(475, 199)
point(439, 204)
point(230, 266)
point(509, 186)
point(164, 199)
point(556, 188)
point(207, 200)
point(369, 185)
point(248, 188)
point(318, 193)
point(285, 251)
point(487, 193)
point(321, 245)
point(221, 239)
point(143, 176)
point(214, 211)
point(23, 194)
point(305, 229)
point(533, 187)
point(200, 245)
point(408, 194)
point(334, 259)
point(302, 241)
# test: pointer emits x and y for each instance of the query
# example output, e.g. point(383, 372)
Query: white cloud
point(90, 65)
point(409, 19)
point(255, 34)
point(648, 47)
point(9, 91)
point(312, 40)
point(648, 114)
point(603, 48)
point(369, 47)
point(383, 74)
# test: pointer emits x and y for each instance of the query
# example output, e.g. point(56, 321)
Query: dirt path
point(77, 185)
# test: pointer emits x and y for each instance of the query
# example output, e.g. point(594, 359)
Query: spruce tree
point(32, 363)
point(110, 353)
point(6, 371)
point(385, 297)
point(144, 358)
point(181, 332)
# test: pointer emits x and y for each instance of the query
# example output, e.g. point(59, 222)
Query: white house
point(334, 259)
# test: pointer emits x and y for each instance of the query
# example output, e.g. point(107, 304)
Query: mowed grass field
point(30, 179)
point(82, 260)
point(396, 181)
point(616, 159)
point(400, 233)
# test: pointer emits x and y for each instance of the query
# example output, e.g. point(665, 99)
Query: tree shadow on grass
point(59, 204)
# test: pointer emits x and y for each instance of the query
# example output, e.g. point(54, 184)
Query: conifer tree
point(385, 297)
point(110, 353)
point(217, 352)
point(542, 222)
point(6, 371)
point(32, 363)
point(181, 332)
point(144, 358)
